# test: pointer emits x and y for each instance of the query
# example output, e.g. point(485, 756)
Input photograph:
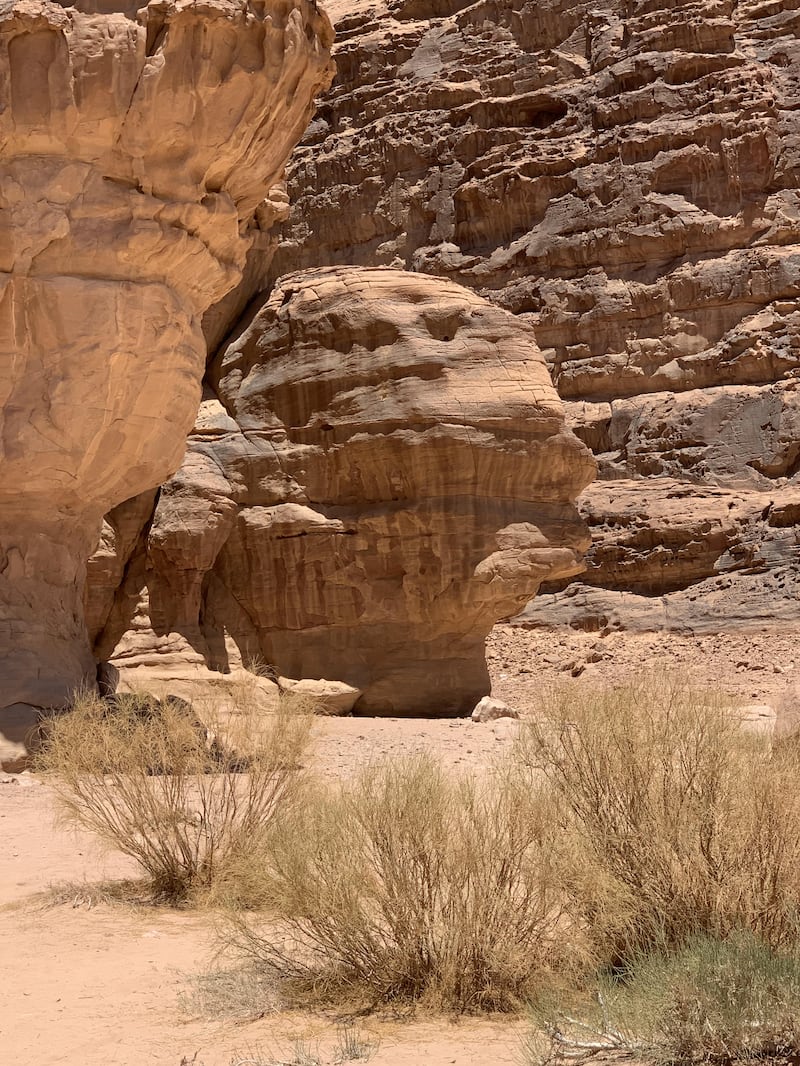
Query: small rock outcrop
point(490, 709)
point(673, 554)
point(321, 696)
point(379, 472)
point(141, 153)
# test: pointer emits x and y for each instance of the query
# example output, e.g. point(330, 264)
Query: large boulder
point(140, 153)
point(381, 470)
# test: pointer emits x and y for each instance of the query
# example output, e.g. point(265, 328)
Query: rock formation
point(620, 176)
point(380, 471)
point(624, 177)
point(138, 151)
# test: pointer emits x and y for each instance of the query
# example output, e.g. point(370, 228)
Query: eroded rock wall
point(624, 177)
point(136, 151)
point(381, 470)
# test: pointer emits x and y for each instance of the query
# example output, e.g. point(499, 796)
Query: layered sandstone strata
point(695, 525)
point(624, 177)
point(137, 148)
point(380, 471)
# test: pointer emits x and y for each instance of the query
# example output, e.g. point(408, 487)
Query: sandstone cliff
point(380, 471)
point(136, 151)
point(624, 177)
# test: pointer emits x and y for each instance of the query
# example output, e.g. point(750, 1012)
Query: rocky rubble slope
point(136, 151)
point(380, 470)
point(622, 175)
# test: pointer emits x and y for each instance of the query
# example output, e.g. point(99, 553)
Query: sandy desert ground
point(106, 985)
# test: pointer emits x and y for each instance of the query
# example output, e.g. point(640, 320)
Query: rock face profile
point(140, 153)
point(379, 472)
point(624, 177)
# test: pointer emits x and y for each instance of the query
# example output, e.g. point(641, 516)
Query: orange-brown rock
point(381, 471)
point(624, 177)
point(140, 152)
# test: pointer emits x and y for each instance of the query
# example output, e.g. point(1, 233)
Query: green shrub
point(712, 1001)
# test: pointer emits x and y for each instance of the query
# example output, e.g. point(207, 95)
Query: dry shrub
point(407, 883)
point(180, 798)
point(679, 821)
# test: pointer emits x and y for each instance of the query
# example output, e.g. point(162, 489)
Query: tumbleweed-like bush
point(184, 798)
point(408, 883)
point(680, 822)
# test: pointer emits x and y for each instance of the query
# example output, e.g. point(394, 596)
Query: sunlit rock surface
point(137, 149)
point(380, 471)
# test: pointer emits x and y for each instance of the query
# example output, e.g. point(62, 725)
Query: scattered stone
point(489, 709)
point(758, 717)
point(23, 779)
point(327, 697)
point(19, 728)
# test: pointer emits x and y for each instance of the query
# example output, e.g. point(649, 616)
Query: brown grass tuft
point(182, 798)
point(410, 884)
point(680, 822)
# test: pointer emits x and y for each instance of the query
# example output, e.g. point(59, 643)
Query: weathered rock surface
point(380, 471)
point(136, 151)
point(490, 709)
point(322, 696)
point(670, 554)
point(624, 177)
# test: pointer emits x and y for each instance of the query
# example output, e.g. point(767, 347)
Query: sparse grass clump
point(244, 992)
point(352, 1045)
point(680, 823)
point(712, 1001)
point(409, 884)
point(300, 1054)
point(156, 784)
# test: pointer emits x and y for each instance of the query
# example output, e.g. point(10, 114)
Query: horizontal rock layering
point(624, 177)
point(380, 471)
point(136, 151)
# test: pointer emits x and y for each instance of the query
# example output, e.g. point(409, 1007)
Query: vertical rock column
point(138, 156)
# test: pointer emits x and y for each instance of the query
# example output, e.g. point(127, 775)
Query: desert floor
point(108, 985)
